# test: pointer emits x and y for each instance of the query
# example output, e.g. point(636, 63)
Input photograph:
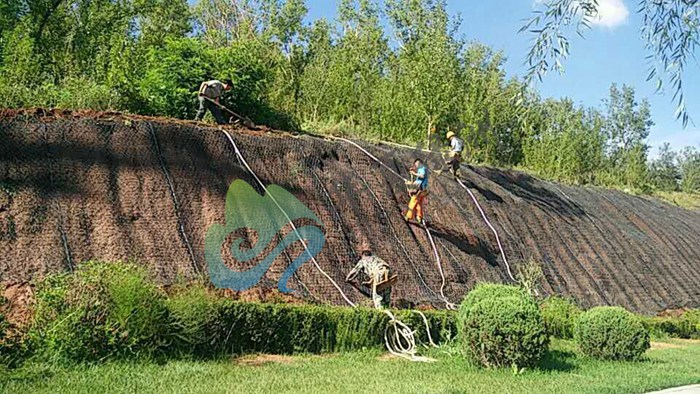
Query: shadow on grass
point(558, 361)
point(29, 373)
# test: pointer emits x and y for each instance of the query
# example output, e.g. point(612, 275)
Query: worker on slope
point(418, 190)
point(212, 91)
point(378, 275)
point(454, 155)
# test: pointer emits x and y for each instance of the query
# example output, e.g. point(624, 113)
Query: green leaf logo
point(246, 209)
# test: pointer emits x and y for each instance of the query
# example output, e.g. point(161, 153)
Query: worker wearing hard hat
point(454, 155)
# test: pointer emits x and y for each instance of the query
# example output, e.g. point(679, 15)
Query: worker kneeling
point(210, 93)
point(379, 276)
point(418, 190)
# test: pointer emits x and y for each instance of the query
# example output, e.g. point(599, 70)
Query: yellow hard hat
point(450, 134)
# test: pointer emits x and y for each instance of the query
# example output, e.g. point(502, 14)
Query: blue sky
point(611, 52)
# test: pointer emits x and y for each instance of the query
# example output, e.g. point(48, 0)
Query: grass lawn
point(668, 364)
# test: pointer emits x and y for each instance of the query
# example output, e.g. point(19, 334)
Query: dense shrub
point(102, 311)
point(484, 291)
point(213, 326)
point(504, 328)
point(685, 326)
point(112, 310)
point(559, 316)
point(611, 333)
point(689, 324)
point(208, 325)
point(195, 312)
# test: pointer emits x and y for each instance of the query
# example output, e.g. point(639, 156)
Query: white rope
point(370, 155)
point(427, 328)
point(448, 304)
point(313, 259)
point(404, 349)
point(498, 240)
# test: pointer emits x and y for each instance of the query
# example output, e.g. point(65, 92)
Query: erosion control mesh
point(105, 186)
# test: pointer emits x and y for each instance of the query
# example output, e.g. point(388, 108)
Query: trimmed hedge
point(611, 333)
point(112, 310)
point(559, 316)
point(685, 326)
point(501, 326)
point(231, 327)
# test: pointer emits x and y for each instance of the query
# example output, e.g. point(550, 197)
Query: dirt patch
point(19, 299)
point(673, 312)
point(675, 343)
point(258, 360)
point(388, 357)
point(665, 345)
point(687, 342)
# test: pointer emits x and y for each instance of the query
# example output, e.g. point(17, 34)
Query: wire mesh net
point(111, 187)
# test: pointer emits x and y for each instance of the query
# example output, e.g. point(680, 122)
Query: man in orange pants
point(418, 190)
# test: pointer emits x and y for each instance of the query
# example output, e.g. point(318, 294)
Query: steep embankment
point(106, 186)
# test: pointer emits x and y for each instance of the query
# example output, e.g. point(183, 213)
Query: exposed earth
point(80, 186)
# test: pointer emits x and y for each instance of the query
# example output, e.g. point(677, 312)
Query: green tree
point(489, 114)
point(427, 68)
point(162, 19)
point(627, 127)
point(358, 63)
point(670, 30)
point(220, 22)
point(10, 14)
point(567, 143)
point(664, 172)
point(315, 78)
point(173, 75)
point(689, 164)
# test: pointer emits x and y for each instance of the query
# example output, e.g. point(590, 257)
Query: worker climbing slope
point(378, 275)
point(209, 96)
point(453, 158)
point(417, 190)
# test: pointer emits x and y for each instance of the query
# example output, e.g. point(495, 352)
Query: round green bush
point(611, 333)
point(484, 291)
point(503, 332)
point(560, 316)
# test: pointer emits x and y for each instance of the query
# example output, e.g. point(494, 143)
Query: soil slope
point(75, 187)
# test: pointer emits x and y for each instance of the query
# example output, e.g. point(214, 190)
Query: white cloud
point(611, 13)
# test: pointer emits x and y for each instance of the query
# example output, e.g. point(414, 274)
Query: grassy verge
point(672, 363)
point(683, 200)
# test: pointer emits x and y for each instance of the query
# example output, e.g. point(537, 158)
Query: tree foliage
point(670, 30)
point(390, 70)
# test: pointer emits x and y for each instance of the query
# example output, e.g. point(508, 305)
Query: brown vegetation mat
point(79, 186)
